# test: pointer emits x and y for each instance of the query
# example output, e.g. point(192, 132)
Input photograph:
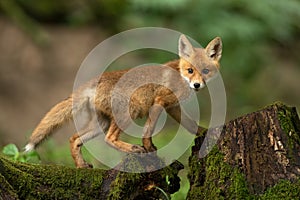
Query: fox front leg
point(154, 114)
point(112, 138)
point(181, 117)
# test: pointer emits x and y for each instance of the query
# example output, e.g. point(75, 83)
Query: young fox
point(193, 69)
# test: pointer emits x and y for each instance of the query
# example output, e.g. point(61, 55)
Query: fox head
point(198, 65)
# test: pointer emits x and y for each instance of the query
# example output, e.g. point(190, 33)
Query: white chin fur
point(192, 86)
point(29, 147)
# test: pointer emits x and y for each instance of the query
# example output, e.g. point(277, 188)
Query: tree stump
point(256, 156)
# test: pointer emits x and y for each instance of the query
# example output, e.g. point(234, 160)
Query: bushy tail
point(56, 117)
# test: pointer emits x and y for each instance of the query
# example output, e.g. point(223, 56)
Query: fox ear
point(185, 48)
point(214, 49)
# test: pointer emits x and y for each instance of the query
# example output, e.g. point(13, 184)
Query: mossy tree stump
point(256, 157)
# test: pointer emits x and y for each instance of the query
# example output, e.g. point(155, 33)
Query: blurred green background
point(43, 42)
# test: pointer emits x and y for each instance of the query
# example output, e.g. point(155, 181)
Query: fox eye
point(190, 70)
point(205, 71)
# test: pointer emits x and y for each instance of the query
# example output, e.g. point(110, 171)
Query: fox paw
point(152, 148)
point(85, 165)
point(138, 149)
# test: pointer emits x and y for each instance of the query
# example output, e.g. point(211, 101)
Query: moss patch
point(31, 181)
point(290, 124)
point(212, 178)
point(128, 184)
point(282, 190)
point(6, 190)
point(218, 180)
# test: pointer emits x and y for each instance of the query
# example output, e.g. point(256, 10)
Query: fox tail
point(54, 119)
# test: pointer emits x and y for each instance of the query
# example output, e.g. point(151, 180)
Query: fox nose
point(196, 85)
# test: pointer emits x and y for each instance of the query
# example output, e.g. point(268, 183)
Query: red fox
point(194, 68)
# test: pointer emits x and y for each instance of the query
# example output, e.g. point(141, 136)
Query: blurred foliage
point(71, 12)
point(250, 30)
point(12, 151)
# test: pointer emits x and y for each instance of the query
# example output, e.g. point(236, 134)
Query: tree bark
point(31, 181)
point(257, 156)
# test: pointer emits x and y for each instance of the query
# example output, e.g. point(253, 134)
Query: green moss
point(31, 181)
point(287, 117)
point(6, 190)
point(212, 178)
point(282, 190)
point(289, 122)
point(127, 183)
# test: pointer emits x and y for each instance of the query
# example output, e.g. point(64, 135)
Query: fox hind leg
point(75, 145)
point(76, 142)
point(91, 131)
